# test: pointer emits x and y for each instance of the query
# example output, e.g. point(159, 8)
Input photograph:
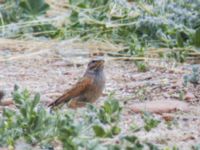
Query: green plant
point(142, 66)
point(110, 111)
point(29, 120)
point(196, 38)
point(34, 8)
point(9, 12)
point(13, 11)
point(32, 123)
point(92, 128)
point(132, 142)
point(31, 117)
point(141, 93)
point(173, 148)
point(100, 131)
point(19, 18)
point(196, 147)
point(134, 127)
point(108, 117)
point(9, 132)
point(135, 143)
point(179, 56)
point(66, 130)
point(147, 24)
point(193, 78)
point(150, 121)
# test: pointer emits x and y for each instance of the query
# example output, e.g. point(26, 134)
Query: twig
point(23, 56)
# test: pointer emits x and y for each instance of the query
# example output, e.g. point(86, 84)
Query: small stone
point(6, 102)
point(189, 97)
point(160, 106)
point(166, 95)
point(167, 116)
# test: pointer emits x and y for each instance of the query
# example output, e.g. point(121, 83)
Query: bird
point(88, 89)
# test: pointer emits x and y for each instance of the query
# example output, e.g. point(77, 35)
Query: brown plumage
point(86, 90)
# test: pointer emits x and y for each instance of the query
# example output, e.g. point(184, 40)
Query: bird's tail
point(62, 99)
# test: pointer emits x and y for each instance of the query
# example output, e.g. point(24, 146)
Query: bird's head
point(96, 64)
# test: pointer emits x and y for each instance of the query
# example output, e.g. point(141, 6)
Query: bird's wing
point(76, 90)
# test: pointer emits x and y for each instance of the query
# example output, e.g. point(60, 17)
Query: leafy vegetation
point(170, 27)
point(32, 123)
point(33, 8)
point(196, 147)
point(149, 121)
point(142, 66)
point(20, 17)
point(138, 25)
point(13, 11)
point(193, 78)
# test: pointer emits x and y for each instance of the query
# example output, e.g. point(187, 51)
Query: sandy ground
point(51, 70)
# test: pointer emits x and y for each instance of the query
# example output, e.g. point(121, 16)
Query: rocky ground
point(51, 68)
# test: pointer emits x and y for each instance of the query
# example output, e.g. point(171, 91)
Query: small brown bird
point(88, 89)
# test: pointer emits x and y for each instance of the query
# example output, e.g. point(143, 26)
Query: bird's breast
point(95, 90)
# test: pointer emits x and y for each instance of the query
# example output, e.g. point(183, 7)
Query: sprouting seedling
point(150, 121)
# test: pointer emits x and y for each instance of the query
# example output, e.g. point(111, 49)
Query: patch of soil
point(55, 69)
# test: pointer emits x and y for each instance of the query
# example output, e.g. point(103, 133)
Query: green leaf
point(115, 130)
point(197, 37)
point(114, 147)
point(196, 147)
point(152, 146)
point(107, 107)
point(26, 94)
point(34, 7)
point(179, 39)
point(8, 113)
point(132, 139)
point(23, 111)
point(115, 105)
point(36, 100)
point(17, 98)
point(135, 142)
point(99, 131)
point(150, 122)
point(111, 106)
point(74, 16)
